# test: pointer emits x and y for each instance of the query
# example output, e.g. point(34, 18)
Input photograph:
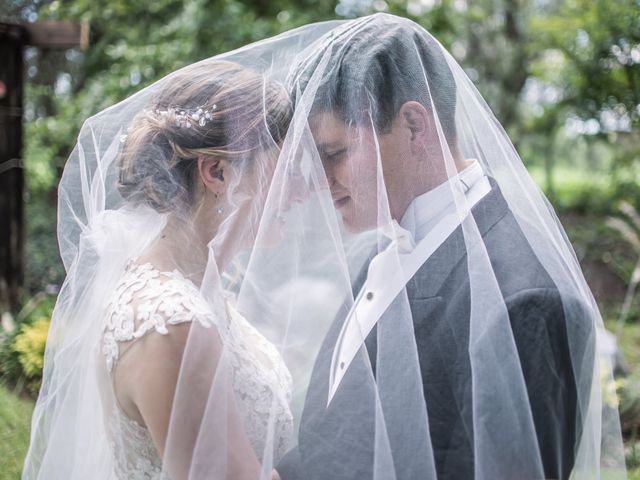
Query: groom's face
point(353, 158)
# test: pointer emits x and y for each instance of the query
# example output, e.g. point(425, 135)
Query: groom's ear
point(415, 119)
point(211, 171)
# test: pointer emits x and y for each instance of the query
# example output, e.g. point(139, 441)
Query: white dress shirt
point(429, 220)
point(429, 208)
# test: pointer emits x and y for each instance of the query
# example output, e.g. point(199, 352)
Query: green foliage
point(43, 264)
point(627, 225)
point(629, 387)
point(582, 191)
point(10, 368)
point(15, 418)
point(30, 344)
point(629, 407)
point(595, 43)
point(586, 63)
point(22, 345)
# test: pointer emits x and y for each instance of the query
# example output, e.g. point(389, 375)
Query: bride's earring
point(218, 209)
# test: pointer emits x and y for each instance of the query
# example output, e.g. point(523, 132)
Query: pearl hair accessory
point(186, 117)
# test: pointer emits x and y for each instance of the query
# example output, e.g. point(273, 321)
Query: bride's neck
point(184, 245)
point(175, 250)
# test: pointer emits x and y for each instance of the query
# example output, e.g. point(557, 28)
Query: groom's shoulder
point(510, 251)
point(515, 263)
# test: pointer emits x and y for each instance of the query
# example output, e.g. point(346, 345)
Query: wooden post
point(11, 172)
point(13, 38)
point(57, 35)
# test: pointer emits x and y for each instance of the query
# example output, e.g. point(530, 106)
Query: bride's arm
point(180, 385)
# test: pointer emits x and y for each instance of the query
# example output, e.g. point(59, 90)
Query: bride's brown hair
point(216, 108)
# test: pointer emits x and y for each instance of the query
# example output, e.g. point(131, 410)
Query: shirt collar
point(401, 236)
point(425, 210)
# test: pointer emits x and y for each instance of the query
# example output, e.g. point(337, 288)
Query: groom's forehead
point(331, 131)
point(327, 127)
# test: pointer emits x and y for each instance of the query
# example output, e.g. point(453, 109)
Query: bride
point(178, 369)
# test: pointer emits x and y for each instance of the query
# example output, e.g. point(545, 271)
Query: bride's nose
point(299, 190)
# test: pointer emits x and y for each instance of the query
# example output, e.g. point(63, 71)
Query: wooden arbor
point(13, 39)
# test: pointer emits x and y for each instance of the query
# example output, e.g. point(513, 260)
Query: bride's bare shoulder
point(154, 318)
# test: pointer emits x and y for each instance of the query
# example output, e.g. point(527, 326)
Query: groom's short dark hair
point(375, 65)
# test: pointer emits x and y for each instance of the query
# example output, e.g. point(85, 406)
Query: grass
point(15, 418)
point(630, 343)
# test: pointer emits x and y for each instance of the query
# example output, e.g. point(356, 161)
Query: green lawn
point(15, 418)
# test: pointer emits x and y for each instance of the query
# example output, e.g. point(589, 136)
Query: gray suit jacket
point(337, 442)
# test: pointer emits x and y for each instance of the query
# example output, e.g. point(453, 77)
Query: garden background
point(562, 76)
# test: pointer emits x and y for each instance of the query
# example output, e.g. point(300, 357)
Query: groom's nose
point(330, 175)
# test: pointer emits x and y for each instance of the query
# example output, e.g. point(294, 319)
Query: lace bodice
point(261, 380)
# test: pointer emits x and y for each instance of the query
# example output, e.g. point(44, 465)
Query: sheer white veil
point(350, 161)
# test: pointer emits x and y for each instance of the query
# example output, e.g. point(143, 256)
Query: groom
point(395, 121)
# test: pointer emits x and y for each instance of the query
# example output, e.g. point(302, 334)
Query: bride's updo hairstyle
point(215, 108)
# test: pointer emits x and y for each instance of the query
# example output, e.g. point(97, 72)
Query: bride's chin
point(269, 235)
point(271, 238)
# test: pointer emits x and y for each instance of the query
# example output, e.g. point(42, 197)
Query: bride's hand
point(275, 475)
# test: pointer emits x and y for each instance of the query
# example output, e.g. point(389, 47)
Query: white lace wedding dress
point(260, 377)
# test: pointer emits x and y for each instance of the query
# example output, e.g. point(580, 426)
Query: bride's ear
point(211, 171)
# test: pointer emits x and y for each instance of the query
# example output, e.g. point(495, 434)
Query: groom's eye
point(336, 155)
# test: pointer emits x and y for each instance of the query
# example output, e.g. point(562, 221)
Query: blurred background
point(562, 76)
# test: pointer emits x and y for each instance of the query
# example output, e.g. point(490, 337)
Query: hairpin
point(185, 117)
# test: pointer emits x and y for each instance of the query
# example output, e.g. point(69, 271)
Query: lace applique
point(136, 455)
point(261, 381)
point(263, 384)
point(162, 299)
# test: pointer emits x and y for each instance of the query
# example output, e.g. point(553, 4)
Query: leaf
point(626, 231)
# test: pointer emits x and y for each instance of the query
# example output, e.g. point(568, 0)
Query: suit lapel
point(428, 280)
point(422, 290)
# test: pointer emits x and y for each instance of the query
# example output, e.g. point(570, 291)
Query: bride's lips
point(341, 201)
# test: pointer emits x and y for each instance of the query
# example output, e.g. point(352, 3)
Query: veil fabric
point(318, 255)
